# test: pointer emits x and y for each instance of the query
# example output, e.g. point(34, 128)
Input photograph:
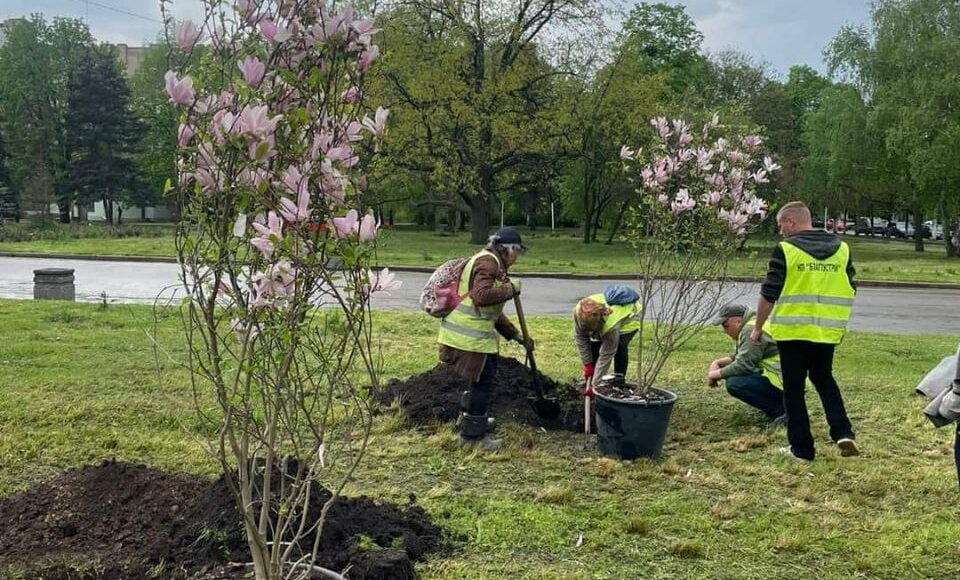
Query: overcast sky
point(779, 32)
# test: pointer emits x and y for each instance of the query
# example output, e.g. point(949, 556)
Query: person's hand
point(713, 376)
point(755, 335)
point(527, 344)
point(587, 370)
point(516, 283)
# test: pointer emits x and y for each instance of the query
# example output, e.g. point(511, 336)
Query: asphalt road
point(892, 310)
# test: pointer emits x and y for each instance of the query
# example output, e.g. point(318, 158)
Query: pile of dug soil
point(133, 521)
point(435, 396)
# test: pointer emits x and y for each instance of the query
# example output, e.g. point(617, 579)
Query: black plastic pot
point(631, 429)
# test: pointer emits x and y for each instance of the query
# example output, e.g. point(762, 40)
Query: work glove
point(516, 286)
point(587, 370)
point(527, 344)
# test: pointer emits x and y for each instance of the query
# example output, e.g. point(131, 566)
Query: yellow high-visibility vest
point(619, 312)
point(816, 299)
point(468, 327)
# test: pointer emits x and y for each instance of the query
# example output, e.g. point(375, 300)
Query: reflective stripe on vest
point(816, 299)
point(770, 366)
point(468, 327)
point(619, 312)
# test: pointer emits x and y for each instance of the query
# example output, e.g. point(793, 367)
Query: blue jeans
point(758, 392)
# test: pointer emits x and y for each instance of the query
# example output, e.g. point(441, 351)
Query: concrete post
point(54, 284)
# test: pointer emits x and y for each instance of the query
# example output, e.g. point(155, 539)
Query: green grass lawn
point(562, 252)
point(80, 384)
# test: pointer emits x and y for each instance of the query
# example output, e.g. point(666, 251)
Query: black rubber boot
point(474, 431)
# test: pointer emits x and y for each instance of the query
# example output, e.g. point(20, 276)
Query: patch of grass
point(555, 494)
point(79, 385)
point(636, 525)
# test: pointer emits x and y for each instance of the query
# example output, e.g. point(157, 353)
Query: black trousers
point(621, 359)
point(798, 360)
point(478, 401)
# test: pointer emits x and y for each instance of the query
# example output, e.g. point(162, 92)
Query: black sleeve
point(776, 274)
point(851, 272)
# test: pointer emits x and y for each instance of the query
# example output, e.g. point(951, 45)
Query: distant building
point(131, 57)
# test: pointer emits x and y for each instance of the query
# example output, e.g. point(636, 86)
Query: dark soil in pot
point(124, 521)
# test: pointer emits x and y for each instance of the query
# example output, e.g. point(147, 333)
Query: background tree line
point(522, 106)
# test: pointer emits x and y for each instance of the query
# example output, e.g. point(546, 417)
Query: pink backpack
point(441, 295)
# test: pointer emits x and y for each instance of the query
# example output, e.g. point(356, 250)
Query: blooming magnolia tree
point(275, 256)
point(696, 199)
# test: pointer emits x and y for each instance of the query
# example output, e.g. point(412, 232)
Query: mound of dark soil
point(435, 396)
point(123, 521)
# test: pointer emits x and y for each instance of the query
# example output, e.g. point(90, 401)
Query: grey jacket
point(746, 360)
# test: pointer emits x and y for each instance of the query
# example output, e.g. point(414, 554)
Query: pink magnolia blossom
point(684, 138)
point(382, 282)
point(736, 220)
point(712, 197)
point(769, 165)
point(333, 184)
point(188, 35)
point(344, 227)
point(627, 153)
point(185, 133)
point(752, 141)
point(367, 57)
point(760, 177)
point(276, 282)
point(363, 30)
point(664, 199)
point(367, 229)
point(274, 33)
point(209, 179)
point(342, 155)
point(714, 179)
point(296, 212)
point(269, 234)
point(254, 121)
point(378, 124)
point(682, 202)
point(223, 123)
point(662, 127)
point(350, 95)
point(252, 69)
point(180, 91)
point(353, 130)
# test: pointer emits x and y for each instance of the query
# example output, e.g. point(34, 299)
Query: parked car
point(892, 231)
point(936, 230)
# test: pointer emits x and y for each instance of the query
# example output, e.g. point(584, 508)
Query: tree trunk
point(950, 227)
point(917, 231)
point(143, 213)
point(108, 209)
point(479, 222)
point(616, 224)
point(451, 219)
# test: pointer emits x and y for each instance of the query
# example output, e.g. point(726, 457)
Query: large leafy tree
point(102, 132)
point(907, 65)
point(155, 156)
point(473, 93)
point(36, 63)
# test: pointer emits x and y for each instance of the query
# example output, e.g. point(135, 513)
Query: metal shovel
point(547, 408)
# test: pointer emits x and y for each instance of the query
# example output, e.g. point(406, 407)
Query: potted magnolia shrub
point(276, 259)
point(696, 197)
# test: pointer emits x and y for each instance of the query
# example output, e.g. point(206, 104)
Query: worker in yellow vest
point(603, 326)
point(807, 297)
point(469, 335)
point(752, 373)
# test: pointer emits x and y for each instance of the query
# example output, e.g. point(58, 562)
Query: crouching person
point(603, 326)
point(752, 373)
point(469, 335)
